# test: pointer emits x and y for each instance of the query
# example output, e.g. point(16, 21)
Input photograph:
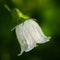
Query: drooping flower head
point(29, 33)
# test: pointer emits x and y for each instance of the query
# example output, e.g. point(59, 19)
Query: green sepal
point(17, 18)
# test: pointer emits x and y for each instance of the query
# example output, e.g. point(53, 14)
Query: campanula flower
point(28, 31)
point(29, 34)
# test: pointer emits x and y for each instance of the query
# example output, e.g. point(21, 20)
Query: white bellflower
point(29, 34)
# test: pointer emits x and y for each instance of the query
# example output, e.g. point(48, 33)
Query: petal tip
point(48, 39)
point(20, 53)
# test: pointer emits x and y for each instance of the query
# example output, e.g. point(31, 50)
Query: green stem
point(6, 6)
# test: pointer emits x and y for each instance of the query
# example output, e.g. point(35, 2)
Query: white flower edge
point(29, 34)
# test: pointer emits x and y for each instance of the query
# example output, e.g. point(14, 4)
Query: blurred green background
point(47, 13)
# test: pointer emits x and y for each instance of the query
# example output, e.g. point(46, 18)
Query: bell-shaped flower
point(29, 34)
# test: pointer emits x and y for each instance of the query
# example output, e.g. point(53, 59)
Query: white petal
point(21, 38)
point(31, 43)
point(39, 36)
point(31, 30)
